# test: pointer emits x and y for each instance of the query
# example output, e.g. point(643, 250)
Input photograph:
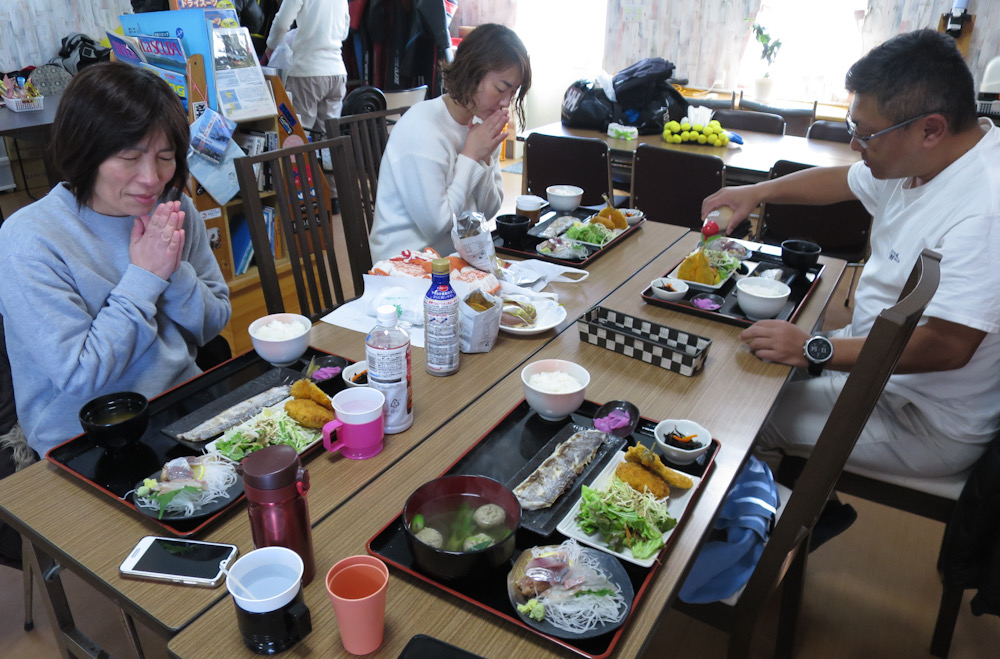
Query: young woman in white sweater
point(443, 155)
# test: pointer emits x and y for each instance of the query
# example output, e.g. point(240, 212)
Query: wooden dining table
point(747, 162)
point(732, 396)
point(90, 533)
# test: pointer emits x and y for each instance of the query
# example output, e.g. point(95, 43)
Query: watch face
point(819, 349)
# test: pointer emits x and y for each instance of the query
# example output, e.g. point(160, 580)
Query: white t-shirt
point(957, 214)
point(423, 182)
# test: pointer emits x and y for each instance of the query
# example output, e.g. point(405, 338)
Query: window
point(819, 42)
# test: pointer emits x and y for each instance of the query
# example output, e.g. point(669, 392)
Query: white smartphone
point(191, 562)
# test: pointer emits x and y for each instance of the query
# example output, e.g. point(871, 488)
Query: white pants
point(317, 98)
point(896, 440)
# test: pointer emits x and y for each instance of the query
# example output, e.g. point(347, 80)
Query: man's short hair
point(110, 107)
point(915, 73)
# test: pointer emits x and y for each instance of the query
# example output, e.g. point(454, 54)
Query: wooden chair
point(697, 176)
point(783, 561)
point(797, 120)
point(841, 229)
point(323, 281)
point(580, 161)
point(369, 133)
point(831, 131)
point(931, 498)
point(760, 122)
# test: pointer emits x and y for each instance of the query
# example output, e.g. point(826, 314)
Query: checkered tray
point(660, 345)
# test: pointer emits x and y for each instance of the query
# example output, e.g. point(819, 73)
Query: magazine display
point(243, 93)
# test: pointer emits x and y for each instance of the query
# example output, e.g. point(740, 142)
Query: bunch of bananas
point(711, 134)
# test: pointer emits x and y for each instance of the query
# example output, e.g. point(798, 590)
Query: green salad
point(625, 517)
point(597, 234)
point(271, 426)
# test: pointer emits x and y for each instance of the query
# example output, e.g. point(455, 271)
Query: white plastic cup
point(530, 206)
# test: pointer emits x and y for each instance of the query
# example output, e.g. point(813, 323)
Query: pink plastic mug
point(359, 423)
point(356, 587)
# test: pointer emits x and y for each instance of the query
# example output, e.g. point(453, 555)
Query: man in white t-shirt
point(930, 176)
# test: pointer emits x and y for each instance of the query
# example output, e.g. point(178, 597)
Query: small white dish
point(632, 215)
point(687, 429)
point(549, 315)
point(669, 289)
point(351, 371)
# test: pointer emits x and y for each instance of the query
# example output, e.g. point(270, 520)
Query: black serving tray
point(527, 249)
point(501, 454)
point(117, 475)
point(801, 283)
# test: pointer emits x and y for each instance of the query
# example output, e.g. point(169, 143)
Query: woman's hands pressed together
point(483, 139)
point(158, 240)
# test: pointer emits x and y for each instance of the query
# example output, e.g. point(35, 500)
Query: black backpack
point(585, 105)
point(78, 50)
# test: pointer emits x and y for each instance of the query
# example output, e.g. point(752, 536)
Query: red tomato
point(710, 228)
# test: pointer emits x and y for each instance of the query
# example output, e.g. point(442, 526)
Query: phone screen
point(182, 558)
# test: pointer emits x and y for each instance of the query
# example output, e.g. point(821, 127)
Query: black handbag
point(585, 105)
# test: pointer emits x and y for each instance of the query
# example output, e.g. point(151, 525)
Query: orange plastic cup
point(356, 586)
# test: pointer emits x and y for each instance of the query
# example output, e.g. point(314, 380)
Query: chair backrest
point(581, 161)
point(694, 176)
point(861, 391)
point(841, 229)
point(761, 122)
point(831, 131)
point(8, 414)
point(313, 240)
point(797, 120)
point(369, 133)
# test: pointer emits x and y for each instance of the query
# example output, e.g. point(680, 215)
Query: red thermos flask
point(276, 485)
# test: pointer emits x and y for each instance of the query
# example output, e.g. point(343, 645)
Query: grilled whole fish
point(235, 415)
point(556, 474)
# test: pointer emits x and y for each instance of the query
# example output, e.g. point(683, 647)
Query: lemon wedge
point(198, 472)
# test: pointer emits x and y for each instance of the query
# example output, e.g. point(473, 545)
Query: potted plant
point(769, 50)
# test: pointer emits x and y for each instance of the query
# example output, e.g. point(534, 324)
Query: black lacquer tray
point(801, 282)
point(527, 248)
point(502, 453)
point(116, 475)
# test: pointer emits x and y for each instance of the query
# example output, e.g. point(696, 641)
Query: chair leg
point(944, 628)
point(792, 587)
point(29, 620)
point(850, 288)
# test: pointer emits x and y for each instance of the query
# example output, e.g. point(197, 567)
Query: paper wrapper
point(479, 327)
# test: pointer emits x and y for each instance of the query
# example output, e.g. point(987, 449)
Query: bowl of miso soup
point(115, 421)
point(457, 526)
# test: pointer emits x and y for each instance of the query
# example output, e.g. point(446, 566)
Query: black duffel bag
point(647, 98)
point(585, 105)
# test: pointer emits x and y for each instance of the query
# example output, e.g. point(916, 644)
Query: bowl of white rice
point(280, 338)
point(554, 388)
point(761, 298)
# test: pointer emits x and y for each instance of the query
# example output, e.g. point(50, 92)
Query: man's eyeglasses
point(852, 129)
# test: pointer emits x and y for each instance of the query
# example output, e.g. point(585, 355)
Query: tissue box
point(660, 345)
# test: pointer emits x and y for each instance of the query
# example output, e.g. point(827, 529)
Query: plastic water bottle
point(441, 323)
point(387, 351)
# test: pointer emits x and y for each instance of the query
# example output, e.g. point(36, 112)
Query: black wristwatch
point(818, 351)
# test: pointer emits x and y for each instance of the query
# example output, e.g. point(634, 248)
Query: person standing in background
point(317, 79)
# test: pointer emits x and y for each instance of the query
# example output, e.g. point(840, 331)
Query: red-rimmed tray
point(115, 476)
point(527, 249)
point(502, 453)
point(762, 257)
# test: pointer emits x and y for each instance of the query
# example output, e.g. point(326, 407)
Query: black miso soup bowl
point(115, 421)
point(439, 494)
point(800, 254)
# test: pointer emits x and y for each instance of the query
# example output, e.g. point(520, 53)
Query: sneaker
point(836, 518)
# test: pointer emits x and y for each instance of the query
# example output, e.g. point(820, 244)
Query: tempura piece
point(307, 389)
point(308, 413)
point(642, 480)
point(696, 268)
point(639, 454)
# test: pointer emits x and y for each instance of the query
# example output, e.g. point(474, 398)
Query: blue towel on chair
point(746, 520)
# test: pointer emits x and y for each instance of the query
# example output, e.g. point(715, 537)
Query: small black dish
point(513, 229)
point(332, 385)
point(800, 254)
point(711, 301)
point(631, 410)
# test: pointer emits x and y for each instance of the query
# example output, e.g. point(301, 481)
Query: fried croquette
point(308, 413)
point(642, 480)
point(307, 389)
point(639, 454)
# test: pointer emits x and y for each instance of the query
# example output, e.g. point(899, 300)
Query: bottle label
point(389, 372)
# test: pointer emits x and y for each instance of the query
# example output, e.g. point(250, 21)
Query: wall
point(39, 26)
